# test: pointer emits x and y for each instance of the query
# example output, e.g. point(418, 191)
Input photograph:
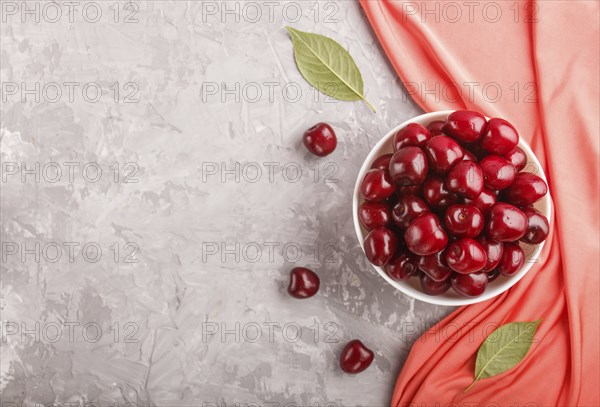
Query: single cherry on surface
point(493, 250)
point(465, 179)
point(320, 139)
point(527, 189)
point(443, 152)
point(498, 172)
point(469, 285)
point(435, 266)
point(517, 158)
point(401, 267)
point(355, 357)
point(506, 222)
point(512, 259)
point(414, 134)
point(304, 283)
point(425, 235)
point(436, 194)
point(409, 166)
point(380, 246)
point(465, 126)
point(435, 127)
point(486, 199)
point(500, 137)
point(538, 226)
point(377, 185)
point(374, 215)
point(466, 256)
point(408, 208)
point(463, 220)
point(431, 287)
point(382, 162)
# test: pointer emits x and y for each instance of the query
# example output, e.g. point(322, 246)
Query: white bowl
point(412, 286)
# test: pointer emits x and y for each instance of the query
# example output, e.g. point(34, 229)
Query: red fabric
point(550, 48)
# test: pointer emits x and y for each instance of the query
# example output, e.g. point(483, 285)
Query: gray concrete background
point(155, 194)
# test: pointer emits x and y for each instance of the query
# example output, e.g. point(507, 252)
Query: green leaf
point(504, 349)
point(327, 66)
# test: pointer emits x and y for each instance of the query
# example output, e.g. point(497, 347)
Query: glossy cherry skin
point(486, 199)
point(413, 134)
point(408, 208)
point(506, 223)
point(409, 166)
point(517, 158)
point(465, 126)
point(320, 139)
point(466, 256)
point(469, 285)
point(443, 152)
point(425, 235)
point(493, 251)
point(465, 179)
point(435, 127)
point(436, 194)
point(402, 190)
point(355, 357)
point(538, 227)
point(512, 259)
point(469, 156)
point(463, 220)
point(401, 267)
point(382, 162)
point(527, 189)
point(380, 246)
point(431, 287)
point(500, 137)
point(377, 185)
point(435, 266)
point(492, 275)
point(304, 283)
point(374, 215)
point(498, 173)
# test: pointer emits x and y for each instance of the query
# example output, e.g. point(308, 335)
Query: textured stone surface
point(206, 199)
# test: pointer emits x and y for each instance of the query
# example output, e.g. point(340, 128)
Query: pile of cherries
point(451, 204)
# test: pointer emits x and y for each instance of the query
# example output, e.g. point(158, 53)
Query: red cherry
point(320, 139)
point(436, 195)
point(380, 246)
point(377, 185)
point(538, 227)
point(466, 256)
point(466, 179)
point(475, 149)
point(304, 283)
point(500, 137)
point(435, 266)
point(382, 162)
point(498, 173)
point(409, 166)
point(469, 156)
point(506, 222)
point(355, 357)
point(408, 208)
point(465, 126)
point(432, 287)
point(493, 250)
point(527, 189)
point(469, 285)
point(464, 220)
point(512, 259)
point(517, 158)
point(443, 152)
point(374, 215)
point(401, 267)
point(402, 190)
point(435, 127)
point(486, 199)
point(425, 235)
point(492, 275)
point(413, 134)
